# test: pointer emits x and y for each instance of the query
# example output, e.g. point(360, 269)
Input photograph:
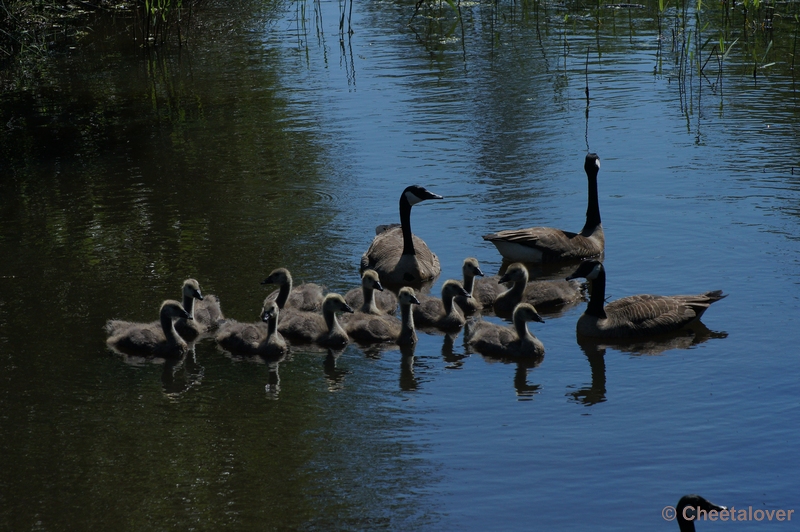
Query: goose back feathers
point(639, 315)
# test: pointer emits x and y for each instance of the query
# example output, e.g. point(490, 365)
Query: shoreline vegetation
point(699, 34)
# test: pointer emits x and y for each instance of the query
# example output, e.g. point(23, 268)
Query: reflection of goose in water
point(547, 244)
point(307, 296)
point(157, 339)
point(334, 374)
point(540, 294)
point(688, 507)
point(399, 257)
point(408, 379)
point(636, 316)
point(595, 351)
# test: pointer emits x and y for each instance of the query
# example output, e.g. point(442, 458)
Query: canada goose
point(307, 296)
point(364, 299)
point(537, 293)
point(441, 313)
point(482, 292)
point(639, 315)
point(368, 328)
point(312, 327)
point(398, 256)
point(261, 338)
point(686, 512)
point(205, 314)
point(516, 341)
point(157, 338)
point(547, 244)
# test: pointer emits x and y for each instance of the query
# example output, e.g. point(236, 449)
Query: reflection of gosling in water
point(441, 313)
point(312, 327)
point(515, 341)
point(158, 338)
point(307, 296)
point(206, 314)
point(366, 300)
point(371, 329)
point(260, 338)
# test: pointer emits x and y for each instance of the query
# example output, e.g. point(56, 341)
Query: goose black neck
point(188, 304)
point(272, 325)
point(407, 333)
point(330, 319)
point(283, 294)
point(597, 295)
point(405, 225)
point(469, 281)
point(593, 208)
point(521, 327)
point(369, 299)
point(168, 328)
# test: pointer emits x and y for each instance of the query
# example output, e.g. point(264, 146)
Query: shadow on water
point(595, 351)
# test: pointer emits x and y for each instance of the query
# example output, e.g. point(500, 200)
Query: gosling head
point(407, 297)
point(335, 303)
point(172, 309)
point(278, 276)
point(526, 312)
point(589, 270)
point(371, 280)
point(452, 288)
point(191, 288)
point(471, 268)
point(270, 311)
point(516, 273)
point(416, 193)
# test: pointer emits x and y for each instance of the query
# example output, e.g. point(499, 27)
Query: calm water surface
point(271, 142)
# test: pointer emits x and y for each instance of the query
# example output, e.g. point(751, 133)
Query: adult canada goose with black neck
point(635, 316)
point(399, 257)
point(547, 244)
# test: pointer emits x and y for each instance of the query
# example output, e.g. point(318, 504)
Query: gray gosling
point(322, 329)
point(547, 244)
point(399, 257)
point(537, 293)
point(250, 339)
point(157, 338)
point(364, 299)
point(441, 313)
point(635, 316)
point(513, 342)
point(206, 315)
point(306, 297)
point(482, 292)
point(368, 328)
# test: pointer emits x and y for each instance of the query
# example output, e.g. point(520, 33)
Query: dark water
point(269, 142)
